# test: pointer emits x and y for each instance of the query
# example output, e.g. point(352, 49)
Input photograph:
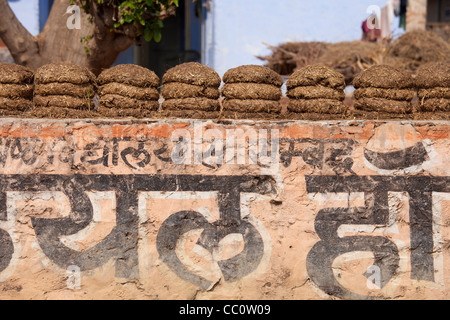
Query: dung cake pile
point(384, 89)
point(190, 87)
point(416, 48)
point(433, 84)
point(62, 86)
point(316, 89)
point(128, 90)
point(252, 89)
point(16, 88)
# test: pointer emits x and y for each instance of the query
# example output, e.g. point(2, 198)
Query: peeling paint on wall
point(99, 209)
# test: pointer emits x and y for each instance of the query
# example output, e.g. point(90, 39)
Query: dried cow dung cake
point(383, 76)
point(65, 89)
point(325, 106)
point(193, 73)
point(128, 90)
point(179, 90)
point(129, 74)
point(316, 92)
point(63, 73)
point(249, 91)
point(16, 87)
point(253, 74)
point(316, 89)
point(252, 89)
point(191, 86)
point(433, 84)
point(252, 106)
point(316, 75)
point(64, 85)
point(201, 104)
point(399, 94)
point(125, 90)
point(385, 89)
point(383, 105)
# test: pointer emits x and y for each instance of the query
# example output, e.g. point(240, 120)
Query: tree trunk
point(58, 43)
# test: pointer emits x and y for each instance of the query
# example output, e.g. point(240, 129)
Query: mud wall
point(187, 209)
point(181, 209)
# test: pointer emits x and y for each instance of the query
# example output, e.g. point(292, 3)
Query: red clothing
point(366, 28)
point(371, 35)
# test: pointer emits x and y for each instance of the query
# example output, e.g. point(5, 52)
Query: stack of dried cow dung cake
point(252, 89)
point(16, 88)
point(128, 90)
point(433, 83)
point(383, 89)
point(316, 89)
point(190, 86)
point(64, 85)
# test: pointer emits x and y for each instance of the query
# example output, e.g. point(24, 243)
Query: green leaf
point(157, 35)
point(140, 13)
point(148, 35)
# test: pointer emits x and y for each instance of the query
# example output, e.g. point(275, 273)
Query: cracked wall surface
point(186, 209)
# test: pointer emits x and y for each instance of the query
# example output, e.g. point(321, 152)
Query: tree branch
point(22, 45)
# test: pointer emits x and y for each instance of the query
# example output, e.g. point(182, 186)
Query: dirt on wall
point(106, 209)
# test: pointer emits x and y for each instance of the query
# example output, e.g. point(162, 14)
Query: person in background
point(370, 34)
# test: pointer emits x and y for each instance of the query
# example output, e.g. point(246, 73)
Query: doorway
point(181, 40)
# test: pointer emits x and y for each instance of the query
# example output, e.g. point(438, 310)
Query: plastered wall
point(185, 209)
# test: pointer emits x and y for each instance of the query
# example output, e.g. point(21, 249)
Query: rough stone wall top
point(191, 90)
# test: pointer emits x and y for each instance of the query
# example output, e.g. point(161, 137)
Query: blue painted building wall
point(27, 11)
point(44, 10)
